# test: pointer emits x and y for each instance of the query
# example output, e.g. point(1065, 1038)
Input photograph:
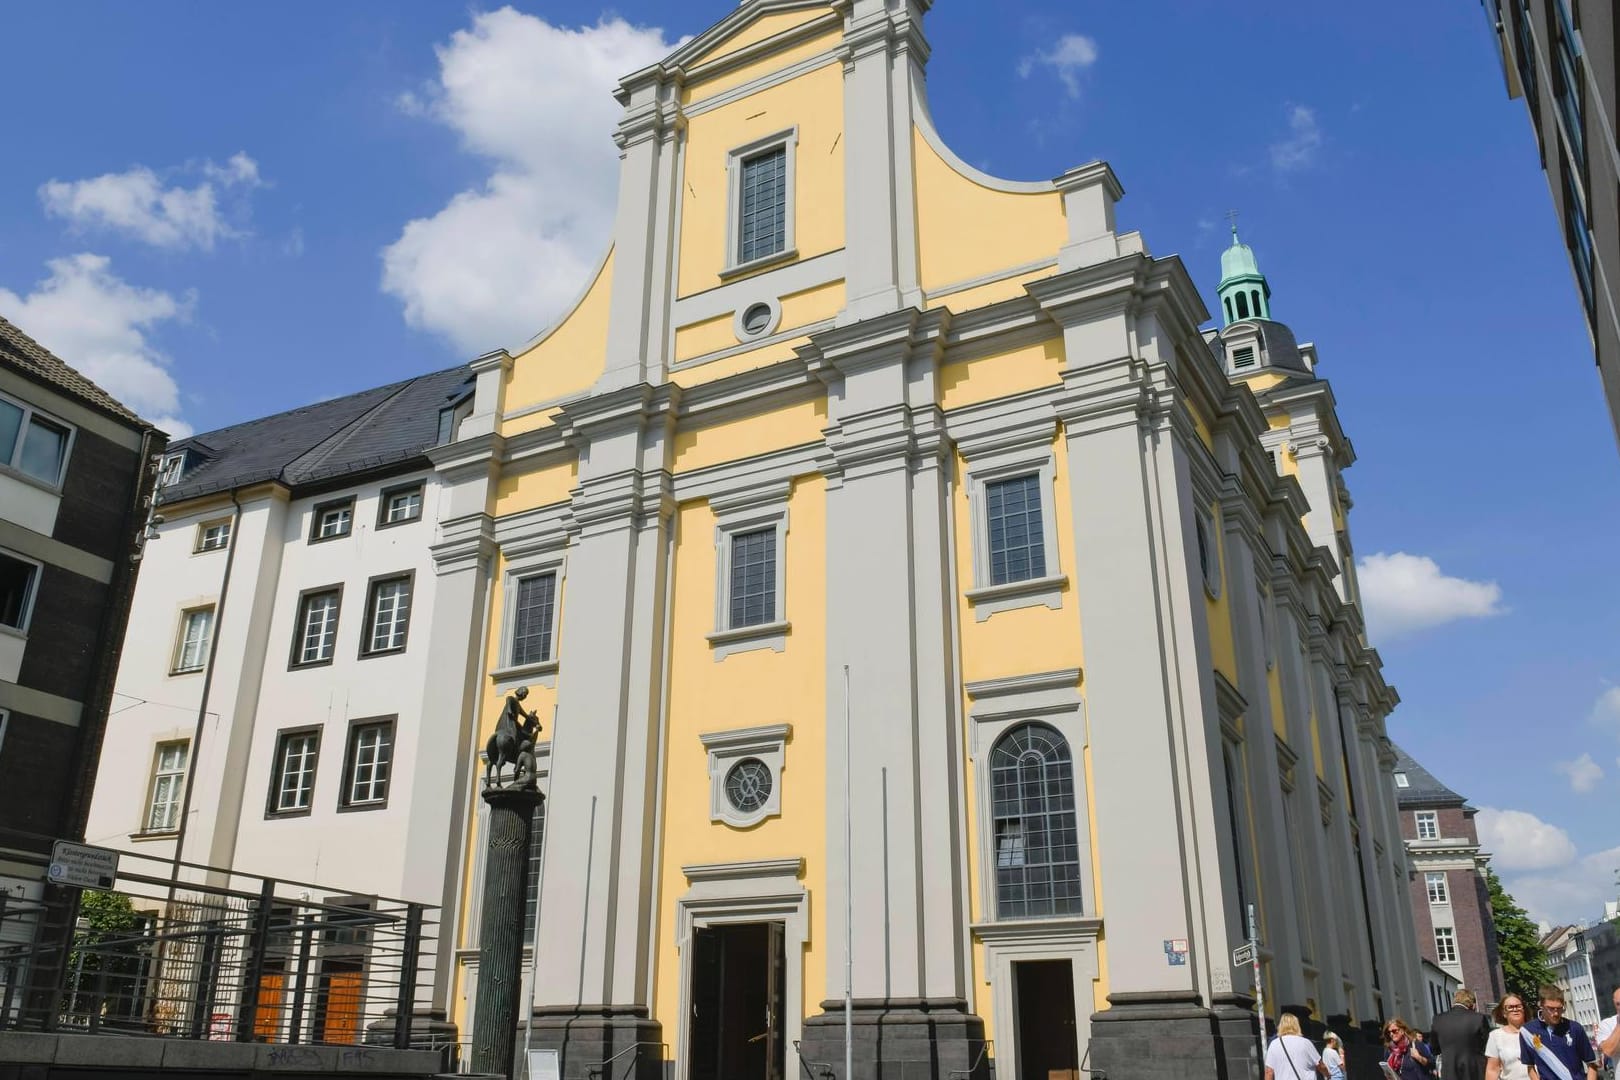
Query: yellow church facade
point(858, 478)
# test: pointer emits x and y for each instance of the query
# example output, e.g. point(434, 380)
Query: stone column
point(500, 938)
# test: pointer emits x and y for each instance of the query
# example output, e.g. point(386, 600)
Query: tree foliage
point(100, 945)
point(1518, 941)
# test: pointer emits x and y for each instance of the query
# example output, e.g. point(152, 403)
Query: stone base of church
point(587, 1036)
point(1173, 1037)
point(897, 1039)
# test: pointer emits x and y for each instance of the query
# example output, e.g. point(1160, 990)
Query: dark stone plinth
point(429, 1030)
point(1308, 1027)
point(894, 1038)
point(500, 934)
point(1237, 1030)
point(1168, 1036)
point(586, 1037)
point(1361, 1057)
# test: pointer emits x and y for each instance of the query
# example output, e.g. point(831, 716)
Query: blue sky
point(220, 211)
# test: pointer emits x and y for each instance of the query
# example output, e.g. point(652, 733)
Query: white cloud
point(535, 100)
point(1298, 150)
point(1606, 710)
point(137, 203)
point(98, 323)
point(1573, 892)
point(1518, 840)
point(1404, 593)
point(1072, 54)
point(1583, 773)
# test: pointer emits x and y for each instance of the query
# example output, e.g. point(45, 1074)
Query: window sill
point(13, 631)
point(375, 653)
point(278, 815)
point(305, 665)
point(145, 837)
point(186, 671)
point(771, 635)
point(507, 678)
point(396, 524)
point(741, 269)
point(1033, 592)
point(360, 808)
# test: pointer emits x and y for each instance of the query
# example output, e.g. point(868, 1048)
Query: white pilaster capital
point(466, 544)
point(1089, 194)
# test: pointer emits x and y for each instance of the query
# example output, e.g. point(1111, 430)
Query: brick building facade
point(1451, 906)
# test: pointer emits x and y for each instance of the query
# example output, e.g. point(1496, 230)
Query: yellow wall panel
point(814, 103)
point(966, 230)
point(803, 308)
point(1222, 644)
point(538, 487)
point(768, 65)
point(986, 378)
point(572, 357)
point(993, 292)
point(710, 335)
point(763, 356)
point(750, 436)
point(1279, 715)
point(761, 28)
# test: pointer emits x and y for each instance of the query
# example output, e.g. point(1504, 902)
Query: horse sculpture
point(512, 742)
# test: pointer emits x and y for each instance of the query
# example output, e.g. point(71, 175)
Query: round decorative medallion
point(748, 785)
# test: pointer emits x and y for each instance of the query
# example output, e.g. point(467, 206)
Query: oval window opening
point(756, 320)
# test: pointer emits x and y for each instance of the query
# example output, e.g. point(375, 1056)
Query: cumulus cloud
point(99, 323)
point(1572, 892)
point(1583, 773)
point(1518, 840)
point(138, 204)
point(1072, 54)
point(1404, 593)
point(535, 101)
point(1297, 150)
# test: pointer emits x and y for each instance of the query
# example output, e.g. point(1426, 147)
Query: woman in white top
point(1291, 1055)
point(1502, 1047)
point(1333, 1056)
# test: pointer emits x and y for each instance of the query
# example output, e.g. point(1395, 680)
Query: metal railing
point(213, 954)
point(603, 1070)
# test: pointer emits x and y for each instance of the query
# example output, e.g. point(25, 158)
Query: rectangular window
point(753, 578)
point(531, 896)
point(1567, 86)
point(317, 627)
point(168, 784)
point(1017, 542)
point(214, 535)
point(762, 224)
point(399, 505)
point(1578, 238)
point(332, 520)
point(1436, 882)
point(292, 787)
point(1401, 780)
point(388, 615)
point(365, 772)
point(533, 609)
point(32, 444)
point(1428, 825)
point(196, 631)
point(19, 581)
point(1445, 945)
point(171, 469)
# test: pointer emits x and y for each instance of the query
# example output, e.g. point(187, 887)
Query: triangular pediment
point(754, 22)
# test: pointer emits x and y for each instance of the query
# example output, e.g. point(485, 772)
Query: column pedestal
point(1171, 1036)
point(588, 1036)
point(898, 1039)
point(500, 940)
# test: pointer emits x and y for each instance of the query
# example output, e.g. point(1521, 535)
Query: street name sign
point(1243, 954)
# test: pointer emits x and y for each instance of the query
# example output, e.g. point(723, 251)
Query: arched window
point(1229, 315)
point(1243, 305)
point(1254, 298)
point(1037, 839)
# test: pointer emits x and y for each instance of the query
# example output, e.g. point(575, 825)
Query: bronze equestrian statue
point(512, 742)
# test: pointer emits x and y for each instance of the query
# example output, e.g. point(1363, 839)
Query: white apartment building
point(1570, 954)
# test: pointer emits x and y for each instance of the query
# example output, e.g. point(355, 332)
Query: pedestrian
point(1608, 1034)
point(1291, 1055)
point(1333, 1056)
point(1409, 1056)
point(1554, 1046)
point(1459, 1038)
point(1502, 1060)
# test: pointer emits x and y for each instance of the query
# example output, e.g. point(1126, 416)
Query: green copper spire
point(1243, 289)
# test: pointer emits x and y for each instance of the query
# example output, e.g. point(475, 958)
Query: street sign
point(1243, 954)
point(80, 866)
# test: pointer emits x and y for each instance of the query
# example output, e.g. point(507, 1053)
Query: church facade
point(868, 511)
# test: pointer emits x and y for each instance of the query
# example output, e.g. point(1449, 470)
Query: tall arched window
point(1254, 300)
point(1243, 306)
point(1037, 840)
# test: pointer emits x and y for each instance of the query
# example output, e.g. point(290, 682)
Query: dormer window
point(760, 225)
point(1401, 780)
point(171, 469)
point(1243, 358)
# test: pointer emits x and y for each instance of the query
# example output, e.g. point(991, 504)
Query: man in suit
point(1459, 1039)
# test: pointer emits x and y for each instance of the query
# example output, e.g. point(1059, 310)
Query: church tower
point(1243, 290)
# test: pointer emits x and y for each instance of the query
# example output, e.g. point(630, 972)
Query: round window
point(748, 785)
point(756, 320)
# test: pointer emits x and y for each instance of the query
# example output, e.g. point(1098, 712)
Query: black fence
point(213, 954)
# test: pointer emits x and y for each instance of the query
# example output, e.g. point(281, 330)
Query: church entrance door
point(738, 986)
point(1044, 999)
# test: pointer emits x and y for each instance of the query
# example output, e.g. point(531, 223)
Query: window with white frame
point(196, 631)
point(19, 584)
point(32, 443)
point(750, 541)
point(388, 615)
point(1428, 825)
point(1445, 945)
point(534, 613)
point(332, 520)
point(400, 505)
point(214, 535)
point(1435, 881)
point(1036, 828)
point(745, 773)
point(171, 468)
point(367, 764)
point(760, 178)
point(1010, 496)
point(168, 787)
point(1209, 557)
point(1017, 543)
point(315, 637)
point(292, 786)
point(1401, 780)
point(531, 892)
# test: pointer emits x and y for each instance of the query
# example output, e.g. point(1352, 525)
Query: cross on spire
point(1232, 216)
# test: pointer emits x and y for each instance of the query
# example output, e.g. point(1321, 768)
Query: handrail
point(984, 1052)
point(601, 1066)
point(826, 1070)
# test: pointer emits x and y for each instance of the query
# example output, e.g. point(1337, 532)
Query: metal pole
point(849, 902)
point(539, 894)
point(1259, 988)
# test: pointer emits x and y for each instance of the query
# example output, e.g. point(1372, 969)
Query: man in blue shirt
point(1553, 1047)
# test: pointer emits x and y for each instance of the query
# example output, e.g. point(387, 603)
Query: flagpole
point(849, 902)
point(534, 941)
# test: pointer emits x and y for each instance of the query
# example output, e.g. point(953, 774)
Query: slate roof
point(326, 441)
point(1422, 789)
point(40, 364)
